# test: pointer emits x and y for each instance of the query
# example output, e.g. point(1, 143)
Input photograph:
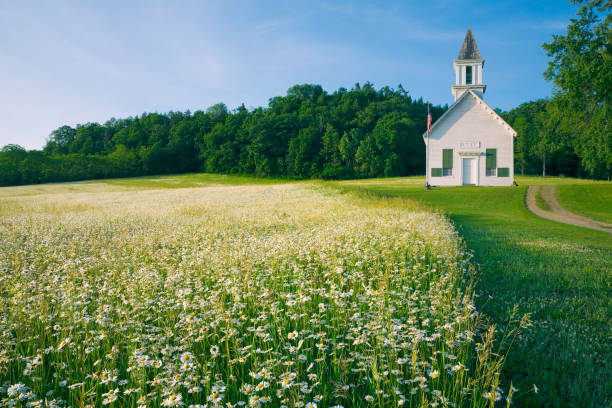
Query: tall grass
point(279, 295)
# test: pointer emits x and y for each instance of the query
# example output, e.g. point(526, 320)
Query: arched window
point(468, 75)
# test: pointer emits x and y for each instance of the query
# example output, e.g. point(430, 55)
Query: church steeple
point(469, 49)
point(468, 68)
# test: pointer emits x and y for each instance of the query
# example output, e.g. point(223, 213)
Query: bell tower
point(468, 68)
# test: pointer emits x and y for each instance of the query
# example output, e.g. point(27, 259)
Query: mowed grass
point(591, 200)
point(241, 294)
point(560, 274)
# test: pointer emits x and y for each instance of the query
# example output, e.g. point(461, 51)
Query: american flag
point(428, 120)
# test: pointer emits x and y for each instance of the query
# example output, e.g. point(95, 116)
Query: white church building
point(470, 144)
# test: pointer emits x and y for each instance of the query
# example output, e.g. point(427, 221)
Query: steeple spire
point(469, 49)
point(468, 68)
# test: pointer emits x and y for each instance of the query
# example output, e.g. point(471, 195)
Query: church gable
point(460, 111)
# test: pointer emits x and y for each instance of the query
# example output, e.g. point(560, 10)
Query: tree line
point(361, 132)
point(308, 133)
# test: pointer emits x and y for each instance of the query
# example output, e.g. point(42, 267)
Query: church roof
point(469, 49)
point(480, 102)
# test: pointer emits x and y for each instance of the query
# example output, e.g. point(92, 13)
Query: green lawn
point(591, 200)
point(556, 181)
point(560, 274)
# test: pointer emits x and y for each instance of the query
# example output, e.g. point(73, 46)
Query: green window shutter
point(503, 172)
point(436, 172)
point(491, 158)
point(447, 158)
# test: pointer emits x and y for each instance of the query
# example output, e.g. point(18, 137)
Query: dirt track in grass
point(557, 212)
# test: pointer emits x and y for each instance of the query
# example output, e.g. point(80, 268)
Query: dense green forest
point(361, 132)
point(308, 133)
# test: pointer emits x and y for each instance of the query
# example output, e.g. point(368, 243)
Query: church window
point(447, 162)
point(503, 172)
point(468, 75)
point(491, 158)
point(491, 162)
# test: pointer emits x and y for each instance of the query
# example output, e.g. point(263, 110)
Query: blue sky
point(69, 62)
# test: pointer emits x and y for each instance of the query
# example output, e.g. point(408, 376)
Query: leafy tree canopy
point(362, 132)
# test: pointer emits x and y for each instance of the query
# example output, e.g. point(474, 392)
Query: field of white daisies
point(284, 295)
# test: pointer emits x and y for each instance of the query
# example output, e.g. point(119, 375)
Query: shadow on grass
point(564, 284)
point(559, 273)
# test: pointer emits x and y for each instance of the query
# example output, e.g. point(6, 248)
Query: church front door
point(469, 172)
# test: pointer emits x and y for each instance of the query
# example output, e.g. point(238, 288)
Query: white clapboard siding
point(470, 127)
